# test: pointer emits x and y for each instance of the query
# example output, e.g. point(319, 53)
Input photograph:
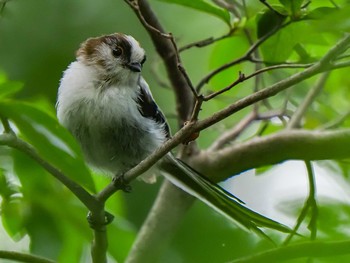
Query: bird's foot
point(120, 183)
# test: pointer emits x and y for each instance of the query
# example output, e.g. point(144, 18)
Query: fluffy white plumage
point(100, 107)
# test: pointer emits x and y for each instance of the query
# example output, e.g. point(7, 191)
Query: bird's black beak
point(135, 66)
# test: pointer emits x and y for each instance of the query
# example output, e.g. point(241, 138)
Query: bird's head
point(117, 57)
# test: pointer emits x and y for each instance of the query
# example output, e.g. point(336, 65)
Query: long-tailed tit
point(108, 107)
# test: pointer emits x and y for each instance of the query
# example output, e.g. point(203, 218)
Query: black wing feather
point(149, 109)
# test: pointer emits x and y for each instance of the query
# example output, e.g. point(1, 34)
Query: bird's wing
point(148, 107)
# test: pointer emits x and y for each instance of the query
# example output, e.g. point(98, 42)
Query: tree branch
point(14, 142)
point(272, 149)
point(147, 163)
point(96, 207)
point(167, 51)
point(232, 134)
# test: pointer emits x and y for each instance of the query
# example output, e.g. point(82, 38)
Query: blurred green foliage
point(37, 42)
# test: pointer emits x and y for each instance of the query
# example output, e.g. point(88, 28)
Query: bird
point(108, 107)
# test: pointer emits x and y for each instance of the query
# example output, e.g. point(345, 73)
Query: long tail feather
point(216, 197)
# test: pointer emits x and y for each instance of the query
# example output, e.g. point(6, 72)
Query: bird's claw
point(120, 183)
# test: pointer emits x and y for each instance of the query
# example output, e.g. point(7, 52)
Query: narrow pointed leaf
point(203, 6)
point(53, 142)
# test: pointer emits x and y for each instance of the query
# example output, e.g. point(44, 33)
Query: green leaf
point(330, 19)
point(321, 13)
point(52, 141)
point(203, 6)
point(281, 45)
point(293, 6)
point(269, 20)
point(263, 169)
point(4, 186)
point(50, 208)
point(12, 216)
point(8, 88)
point(11, 209)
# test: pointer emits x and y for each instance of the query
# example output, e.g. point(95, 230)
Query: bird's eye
point(144, 60)
point(117, 51)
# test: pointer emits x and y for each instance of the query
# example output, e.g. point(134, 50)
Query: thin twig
point(197, 108)
point(232, 134)
point(245, 57)
point(309, 99)
point(135, 6)
point(182, 69)
point(207, 41)
point(342, 57)
point(257, 83)
point(142, 167)
point(338, 65)
point(107, 192)
point(279, 66)
point(281, 114)
point(272, 114)
point(242, 77)
point(260, 61)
